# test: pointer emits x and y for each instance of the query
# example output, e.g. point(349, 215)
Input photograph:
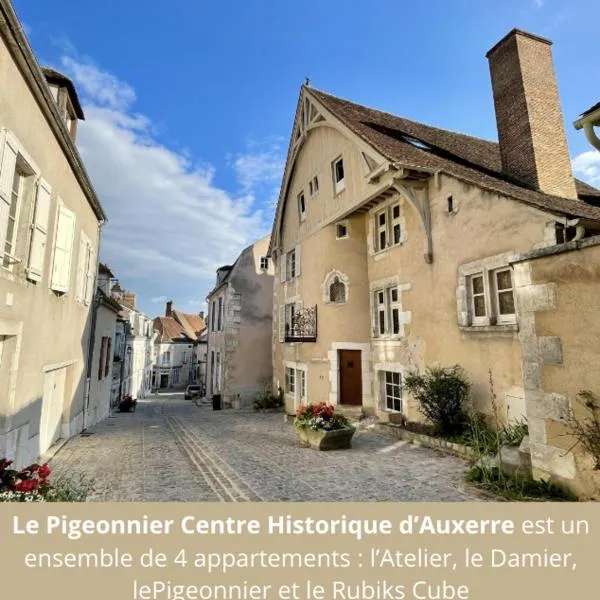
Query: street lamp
point(588, 120)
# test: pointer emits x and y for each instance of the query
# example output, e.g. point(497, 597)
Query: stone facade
point(50, 221)
point(239, 358)
point(432, 264)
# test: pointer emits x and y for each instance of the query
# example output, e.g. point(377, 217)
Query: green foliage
point(521, 488)
point(514, 433)
point(267, 400)
point(442, 393)
point(587, 430)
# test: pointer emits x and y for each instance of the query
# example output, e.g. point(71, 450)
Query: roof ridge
point(396, 116)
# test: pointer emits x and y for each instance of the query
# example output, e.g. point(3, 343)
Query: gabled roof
point(169, 330)
point(54, 76)
point(107, 301)
point(192, 324)
point(468, 158)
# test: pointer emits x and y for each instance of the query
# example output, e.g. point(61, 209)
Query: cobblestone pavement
point(173, 450)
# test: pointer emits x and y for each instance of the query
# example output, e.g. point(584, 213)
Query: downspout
point(92, 337)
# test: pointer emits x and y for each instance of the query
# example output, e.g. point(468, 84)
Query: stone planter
point(320, 439)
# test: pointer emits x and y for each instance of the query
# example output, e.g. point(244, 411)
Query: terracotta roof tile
point(468, 158)
point(169, 330)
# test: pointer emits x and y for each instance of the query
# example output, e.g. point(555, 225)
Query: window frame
point(290, 264)
point(264, 263)
point(385, 397)
point(301, 205)
point(386, 310)
point(388, 227)
point(478, 320)
point(502, 319)
point(346, 227)
point(339, 185)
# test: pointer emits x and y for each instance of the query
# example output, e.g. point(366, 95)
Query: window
point(301, 206)
point(313, 186)
point(388, 228)
point(290, 381)
point(11, 230)
point(450, 205)
point(213, 316)
point(39, 232)
point(301, 376)
point(290, 264)
point(264, 263)
point(339, 183)
point(337, 291)
point(387, 312)
point(108, 351)
point(166, 359)
point(184, 357)
point(491, 297)
point(103, 358)
point(290, 314)
point(341, 231)
point(218, 373)
point(392, 390)
point(220, 323)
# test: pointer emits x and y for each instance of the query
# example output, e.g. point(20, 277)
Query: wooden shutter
point(298, 261)
point(283, 265)
point(82, 259)
point(108, 356)
point(282, 323)
point(101, 361)
point(63, 249)
point(39, 231)
point(90, 275)
point(8, 164)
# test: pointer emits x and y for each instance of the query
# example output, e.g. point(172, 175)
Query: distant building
point(239, 361)
point(176, 346)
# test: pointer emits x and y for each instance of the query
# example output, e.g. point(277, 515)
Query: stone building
point(50, 220)
point(176, 349)
point(239, 360)
point(400, 246)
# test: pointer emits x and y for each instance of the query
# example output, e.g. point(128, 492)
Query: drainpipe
point(92, 338)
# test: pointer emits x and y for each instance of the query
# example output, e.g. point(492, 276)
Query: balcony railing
point(303, 326)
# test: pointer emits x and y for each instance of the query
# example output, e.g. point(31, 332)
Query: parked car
point(192, 391)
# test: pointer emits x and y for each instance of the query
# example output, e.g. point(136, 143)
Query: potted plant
point(127, 404)
point(319, 427)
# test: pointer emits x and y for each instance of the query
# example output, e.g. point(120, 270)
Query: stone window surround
point(296, 366)
point(484, 266)
point(327, 283)
point(372, 226)
point(334, 369)
point(404, 317)
point(379, 369)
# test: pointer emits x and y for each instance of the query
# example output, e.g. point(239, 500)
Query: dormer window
point(64, 94)
point(339, 183)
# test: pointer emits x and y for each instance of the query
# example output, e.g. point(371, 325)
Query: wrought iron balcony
point(303, 326)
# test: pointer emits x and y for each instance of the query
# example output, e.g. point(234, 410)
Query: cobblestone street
point(173, 450)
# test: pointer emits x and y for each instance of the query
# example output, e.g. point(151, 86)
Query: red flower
point(44, 471)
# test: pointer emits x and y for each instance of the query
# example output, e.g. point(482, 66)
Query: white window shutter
point(63, 249)
point(90, 275)
point(8, 163)
point(282, 323)
point(298, 261)
point(39, 231)
point(282, 265)
point(82, 259)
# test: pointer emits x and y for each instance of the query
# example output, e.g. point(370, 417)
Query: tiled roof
point(468, 158)
point(591, 109)
point(192, 324)
point(169, 330)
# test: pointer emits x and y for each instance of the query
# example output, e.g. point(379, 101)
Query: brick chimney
point(531, 132)
point(169, 311)
point(129, 299)
point(201, 314)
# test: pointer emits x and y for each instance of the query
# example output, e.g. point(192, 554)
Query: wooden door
point(52, 407)
point(350, 377)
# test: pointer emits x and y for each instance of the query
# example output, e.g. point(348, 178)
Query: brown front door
point(350, 377)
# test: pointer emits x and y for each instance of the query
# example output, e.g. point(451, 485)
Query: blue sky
point(189, 104)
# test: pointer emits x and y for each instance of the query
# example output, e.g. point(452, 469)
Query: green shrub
point(442, 393)
point(267, 400)
point(513, 433)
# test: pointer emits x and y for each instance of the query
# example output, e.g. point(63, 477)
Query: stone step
point(352, 413)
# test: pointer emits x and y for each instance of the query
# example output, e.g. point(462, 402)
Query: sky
point(189, 105)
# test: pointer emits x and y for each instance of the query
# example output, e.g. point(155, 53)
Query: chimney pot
point(169, 310)
point(531, 132)
point(201, 314)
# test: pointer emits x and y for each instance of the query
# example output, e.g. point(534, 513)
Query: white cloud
point(587, 166)
point(261, 166)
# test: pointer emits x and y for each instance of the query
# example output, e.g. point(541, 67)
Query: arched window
point(337, 291)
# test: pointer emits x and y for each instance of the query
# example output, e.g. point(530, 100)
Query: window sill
point(505, 327)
